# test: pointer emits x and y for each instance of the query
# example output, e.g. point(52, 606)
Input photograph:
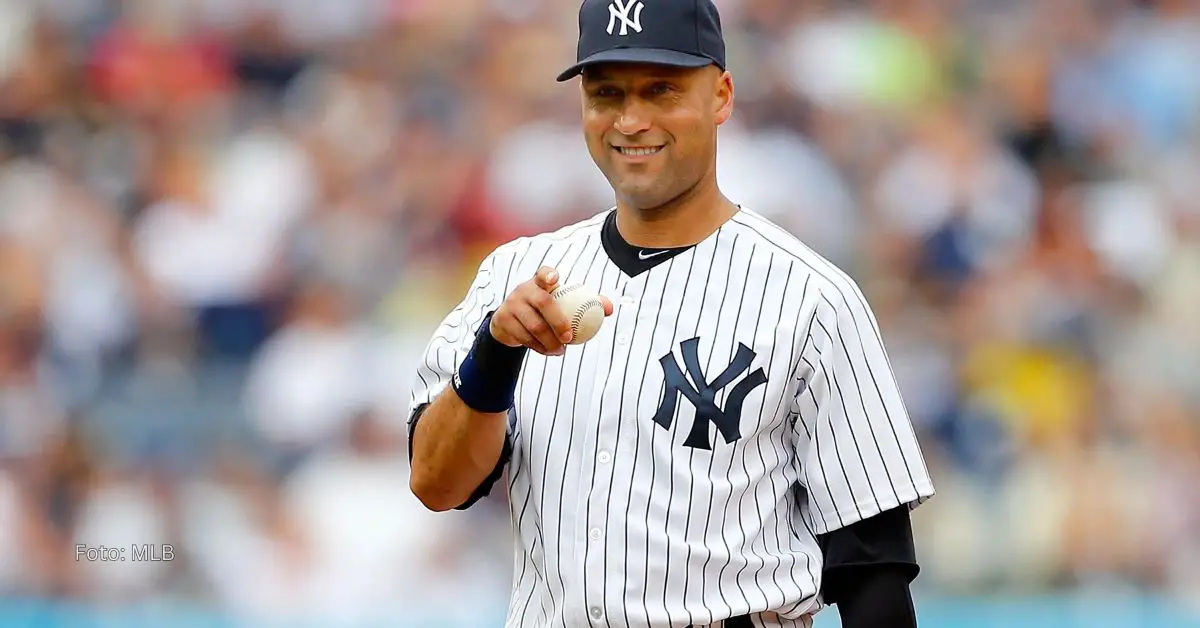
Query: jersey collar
point(632, 260)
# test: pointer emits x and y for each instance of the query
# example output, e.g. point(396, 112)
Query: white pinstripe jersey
point(676, 469)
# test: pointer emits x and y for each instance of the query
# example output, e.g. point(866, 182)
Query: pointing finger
point(546, 278)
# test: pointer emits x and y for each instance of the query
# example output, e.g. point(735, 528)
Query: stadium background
point(228, 226)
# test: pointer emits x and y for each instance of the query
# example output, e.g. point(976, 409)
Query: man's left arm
point(862, 468)
point(868, 568)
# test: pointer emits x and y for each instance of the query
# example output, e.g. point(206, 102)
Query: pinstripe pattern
point(616, 521)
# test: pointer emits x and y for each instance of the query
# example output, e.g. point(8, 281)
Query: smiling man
point(731, 449)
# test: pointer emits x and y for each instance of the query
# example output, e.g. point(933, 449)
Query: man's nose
point(633, 119)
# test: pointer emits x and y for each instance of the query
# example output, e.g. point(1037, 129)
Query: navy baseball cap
point(680, 33)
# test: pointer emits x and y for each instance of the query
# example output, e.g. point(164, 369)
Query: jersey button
point(604, 457)
point(628, 301)
point(622, 339)
point(596, 613)
point(595, 534)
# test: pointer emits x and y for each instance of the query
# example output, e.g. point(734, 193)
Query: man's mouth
point(638, 151)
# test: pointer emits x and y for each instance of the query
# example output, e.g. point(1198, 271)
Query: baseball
point(584, 310)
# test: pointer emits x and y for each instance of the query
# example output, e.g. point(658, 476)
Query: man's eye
point(658, 89)
point(607, 92)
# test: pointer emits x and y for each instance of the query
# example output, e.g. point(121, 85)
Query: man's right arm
point(458, 442)
point(456, 449)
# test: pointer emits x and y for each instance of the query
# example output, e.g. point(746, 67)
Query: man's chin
point(645, 202)
point(642, 197)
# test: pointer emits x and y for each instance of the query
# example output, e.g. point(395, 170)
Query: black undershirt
point(632, 260)
point(868, 568)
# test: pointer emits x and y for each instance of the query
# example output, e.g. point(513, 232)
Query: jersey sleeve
point(857, 451)
point(454, 335)
point(448, 347)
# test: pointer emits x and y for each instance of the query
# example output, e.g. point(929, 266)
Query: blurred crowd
point(227, 228)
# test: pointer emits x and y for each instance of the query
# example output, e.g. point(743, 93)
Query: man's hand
point(531, 318)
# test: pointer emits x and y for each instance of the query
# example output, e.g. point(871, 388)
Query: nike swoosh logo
point(642, 255)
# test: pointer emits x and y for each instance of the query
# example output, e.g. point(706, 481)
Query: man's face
point(652, 129)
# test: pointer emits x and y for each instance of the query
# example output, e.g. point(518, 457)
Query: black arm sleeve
point(485, 487)
point(868, 568)
point(881, 598)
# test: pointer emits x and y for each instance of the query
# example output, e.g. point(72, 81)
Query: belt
point(742, 621)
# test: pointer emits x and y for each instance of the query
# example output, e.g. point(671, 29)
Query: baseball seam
point(577, 318)
point(566, 290)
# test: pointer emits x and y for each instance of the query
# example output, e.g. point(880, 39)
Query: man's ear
point(723, 97)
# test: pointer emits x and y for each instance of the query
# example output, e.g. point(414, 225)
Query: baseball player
point(730, 449)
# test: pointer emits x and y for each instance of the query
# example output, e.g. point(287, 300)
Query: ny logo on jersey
point(704, 394)
point(619, 10)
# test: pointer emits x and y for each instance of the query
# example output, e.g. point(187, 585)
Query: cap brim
point(655, 56)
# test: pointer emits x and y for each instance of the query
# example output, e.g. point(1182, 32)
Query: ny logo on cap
point(619, 10)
